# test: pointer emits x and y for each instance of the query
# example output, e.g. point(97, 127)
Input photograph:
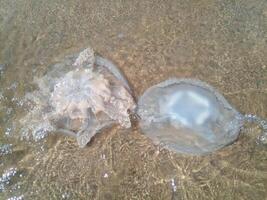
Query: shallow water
point(220, 42)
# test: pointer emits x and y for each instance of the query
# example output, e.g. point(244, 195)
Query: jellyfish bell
point(79, 97)
point(188, 116)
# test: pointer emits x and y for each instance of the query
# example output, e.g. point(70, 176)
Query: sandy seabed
point(220, 42)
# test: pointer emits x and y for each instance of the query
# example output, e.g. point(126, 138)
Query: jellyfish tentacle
point(66, 132)
point(251, 118)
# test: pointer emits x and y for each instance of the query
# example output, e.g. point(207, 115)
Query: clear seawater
point(222, 42)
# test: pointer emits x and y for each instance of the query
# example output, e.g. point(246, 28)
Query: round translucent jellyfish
point(188, 116)
point(79, 97)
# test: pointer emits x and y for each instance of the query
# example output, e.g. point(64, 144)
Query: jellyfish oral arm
point(66, 132)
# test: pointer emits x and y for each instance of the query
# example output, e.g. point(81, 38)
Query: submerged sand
point(220, 42)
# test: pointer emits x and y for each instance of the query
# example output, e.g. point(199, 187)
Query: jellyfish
point(189, 116)
point(79, 97)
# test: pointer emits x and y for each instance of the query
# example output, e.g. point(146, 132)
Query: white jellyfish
point(85, 93)
point(79, 97)
point(189, 116)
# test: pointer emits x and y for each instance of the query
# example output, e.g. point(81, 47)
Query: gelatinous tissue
point(79, 96)
point(85, 93)
point(188, 116)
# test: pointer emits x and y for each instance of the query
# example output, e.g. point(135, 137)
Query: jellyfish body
point(80, 98)
point(188, 116)
point(85, 93)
